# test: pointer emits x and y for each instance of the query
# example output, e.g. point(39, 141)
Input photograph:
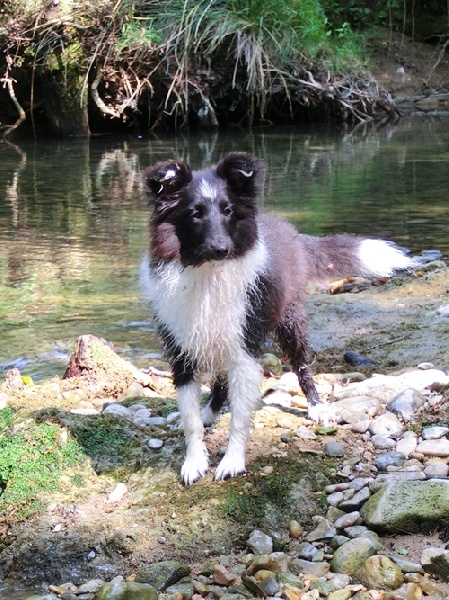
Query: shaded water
point(73, 223)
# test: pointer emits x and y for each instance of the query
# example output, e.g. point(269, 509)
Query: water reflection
point(73, 220)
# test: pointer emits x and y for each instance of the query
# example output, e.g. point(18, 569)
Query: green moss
point(33, 456)
point(252, 501)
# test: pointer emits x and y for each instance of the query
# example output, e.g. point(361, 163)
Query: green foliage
point(32, 459)
point(99, 436)
point(265, 41)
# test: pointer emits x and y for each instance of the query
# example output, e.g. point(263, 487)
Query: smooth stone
point(360, 404)
point(334, 449)
point(436, 470)
point(271, 363)
point(347, 520)
point(396, 476)
point(126, 590)
point(386, 424)
point(434, 433)
point(356, 501)
point(295, 528)
point(335, 498)
point(428, 586)
point(117, 493)
point(340, 595)
point(184, 590)
point(389, 459)
point(439, 447)
point(407, 445)
point(406, 566)
point(380, 573)
point(305, 433)
point(290, 382)
point(406, 403)
point(407, 591)
point(349, 557)
point(383, 442)
point(118, 410)
point(307, 551)
point(263, 562)
point(155, 443)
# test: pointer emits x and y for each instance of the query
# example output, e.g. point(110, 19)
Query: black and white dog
point(219, 277)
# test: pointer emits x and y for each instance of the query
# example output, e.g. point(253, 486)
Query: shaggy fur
point(220, 277)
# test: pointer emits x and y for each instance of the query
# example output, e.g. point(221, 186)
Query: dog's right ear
point(240, 171)
point(166, 178)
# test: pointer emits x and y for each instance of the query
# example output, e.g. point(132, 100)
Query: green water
point(73, 222)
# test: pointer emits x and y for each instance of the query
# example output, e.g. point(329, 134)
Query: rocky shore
point(356, 510)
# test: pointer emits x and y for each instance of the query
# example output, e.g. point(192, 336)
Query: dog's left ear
point(166, 178)
point(240, 170)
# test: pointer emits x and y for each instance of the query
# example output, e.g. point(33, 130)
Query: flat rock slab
point(408, 506)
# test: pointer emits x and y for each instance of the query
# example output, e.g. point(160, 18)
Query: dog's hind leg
point(293, 340)
point(244, 380)
point(196, 463)
point(218, 397)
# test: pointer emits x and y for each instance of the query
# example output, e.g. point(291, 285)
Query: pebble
point(386, 424)
point(117, 493)
point(434, 433)
point(434, 447)
point(334, 449)
point(155, 443)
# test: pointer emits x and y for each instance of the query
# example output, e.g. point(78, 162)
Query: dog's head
point(201, 216)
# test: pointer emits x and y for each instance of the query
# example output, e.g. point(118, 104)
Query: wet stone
point(334, 449)
point(389, 459)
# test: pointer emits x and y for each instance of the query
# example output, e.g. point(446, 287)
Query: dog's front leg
point(196, 462)
point(244, 380)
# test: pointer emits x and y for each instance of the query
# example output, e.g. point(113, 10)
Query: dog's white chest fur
point(205, 307)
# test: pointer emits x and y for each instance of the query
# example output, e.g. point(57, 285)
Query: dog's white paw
point(196, 465)
point(322, 414)
point(231, 465)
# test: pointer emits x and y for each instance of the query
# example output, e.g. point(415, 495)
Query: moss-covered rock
point(349, 557)
point(126, 590)
point(379, 572)
point(409, 506)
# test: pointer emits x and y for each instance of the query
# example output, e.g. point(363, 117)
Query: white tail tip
point(382, 259)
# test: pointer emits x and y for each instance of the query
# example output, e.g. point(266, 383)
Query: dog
point(220, 277)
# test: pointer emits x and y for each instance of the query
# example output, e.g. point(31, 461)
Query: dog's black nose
point(220, 251)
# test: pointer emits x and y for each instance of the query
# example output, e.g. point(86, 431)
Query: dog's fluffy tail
point(343, 255)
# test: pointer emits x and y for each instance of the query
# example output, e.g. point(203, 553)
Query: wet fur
point(220, 277)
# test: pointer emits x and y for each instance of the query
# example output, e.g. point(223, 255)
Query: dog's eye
point(227, 211)
point(198, 212)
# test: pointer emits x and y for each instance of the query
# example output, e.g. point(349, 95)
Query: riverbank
point(90, 464)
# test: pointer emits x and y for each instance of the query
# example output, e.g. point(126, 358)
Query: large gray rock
point(407, 506)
